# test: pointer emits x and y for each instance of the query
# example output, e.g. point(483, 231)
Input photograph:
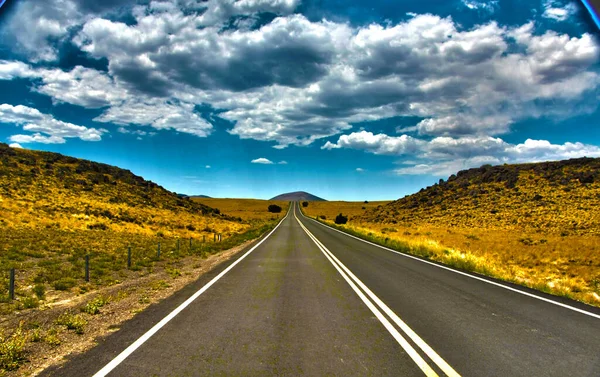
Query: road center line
point(421, 363)
point(142, 339)
point(462, 273)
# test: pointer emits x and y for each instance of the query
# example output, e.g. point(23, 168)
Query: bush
point(341, 219)
point(72, 322)
point(12, 350)
point(322, 217)
point(274, 208)
point(304, 204)
point(93, 307)
point(64, 284)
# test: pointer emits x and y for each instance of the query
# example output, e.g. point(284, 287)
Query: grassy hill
point(560, 197)
point(55, 209)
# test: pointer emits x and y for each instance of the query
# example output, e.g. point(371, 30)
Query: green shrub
point(93, 307)
point(64, 284)
point(304, 204)
point(72, 322)
point(12, 350)
point(40, 290)
point(30, 302)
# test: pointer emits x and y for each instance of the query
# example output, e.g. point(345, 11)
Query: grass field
point(331, 209)
point(564, 265)
point(248, 210)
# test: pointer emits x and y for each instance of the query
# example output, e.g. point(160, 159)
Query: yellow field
point(331, 209)
point(567, 265)
point(246, 209)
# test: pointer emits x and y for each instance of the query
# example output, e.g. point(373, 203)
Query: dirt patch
point(52, 331)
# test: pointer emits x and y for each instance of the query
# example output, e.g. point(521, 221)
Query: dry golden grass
point(250, 210)
point(537, 225)
point(331, 209)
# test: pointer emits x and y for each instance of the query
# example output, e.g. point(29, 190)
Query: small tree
point(274, 208)
point(341, 219)
point(304, 204)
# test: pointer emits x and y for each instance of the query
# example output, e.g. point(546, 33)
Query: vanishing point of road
point(308, 300)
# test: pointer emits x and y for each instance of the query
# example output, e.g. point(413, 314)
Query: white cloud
point(55, 130)
point(207, 166)
point(36, 26)
point(282, 162)
point(15, 145)
point(13, 69)
point(377, 144)
point(37, 138)
point(558, 11)
point(488, 6)
point(360, 170)
point(298, 81)
point(262, 160)
point(159, 115)
point(459, 154)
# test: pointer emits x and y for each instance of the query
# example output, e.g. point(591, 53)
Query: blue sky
point(348, 100)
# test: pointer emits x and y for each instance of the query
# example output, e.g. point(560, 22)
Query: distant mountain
point(194, 196)
point(298, 196)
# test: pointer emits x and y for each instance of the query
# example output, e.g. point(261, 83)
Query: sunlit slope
point(559, 197)
point(49, 191)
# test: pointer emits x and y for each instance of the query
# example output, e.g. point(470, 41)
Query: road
point(308, 300)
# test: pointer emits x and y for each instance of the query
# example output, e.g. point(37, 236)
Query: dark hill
point(561, 197)
point(298, 196)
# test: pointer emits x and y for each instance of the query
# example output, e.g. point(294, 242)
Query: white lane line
point(444, 366)
point(142, 339)
point(463, 273)
point(414, 355)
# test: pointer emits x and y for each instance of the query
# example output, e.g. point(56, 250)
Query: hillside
point(298, 196)
point(56, 209)
point(41, 189)
point(559, 197)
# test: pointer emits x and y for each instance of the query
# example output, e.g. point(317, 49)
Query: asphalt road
point(310, 301)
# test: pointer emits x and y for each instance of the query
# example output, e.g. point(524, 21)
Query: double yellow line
point(377, 307)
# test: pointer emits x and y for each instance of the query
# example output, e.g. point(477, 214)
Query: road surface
point(308, 300)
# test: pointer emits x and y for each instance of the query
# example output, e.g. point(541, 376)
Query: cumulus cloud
point(46, 128)
point(15, 145)
point(262, 160)
point(360, 170)
point(159, 115)
point(558, 11)
point(377, 144)
point(282, 162)
point(297, 81)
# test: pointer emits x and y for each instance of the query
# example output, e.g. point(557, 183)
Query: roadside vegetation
point(532, 224)
point(56, 210)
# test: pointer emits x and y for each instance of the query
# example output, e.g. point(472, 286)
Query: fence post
point(158, 251)
point(129, 257)
point(87, 268)
point(215, 237)
point(11, 285)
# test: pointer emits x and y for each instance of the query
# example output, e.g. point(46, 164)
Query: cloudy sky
point(352, 100)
